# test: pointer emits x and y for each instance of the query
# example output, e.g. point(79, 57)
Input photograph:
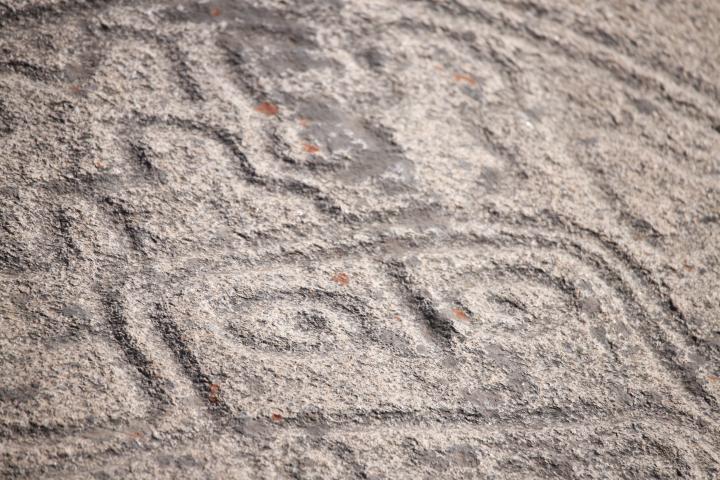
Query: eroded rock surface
point(372, 239)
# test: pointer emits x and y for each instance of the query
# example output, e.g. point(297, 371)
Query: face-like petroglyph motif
point(493, 327)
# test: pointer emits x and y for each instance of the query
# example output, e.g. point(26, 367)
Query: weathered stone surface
point(374, 239)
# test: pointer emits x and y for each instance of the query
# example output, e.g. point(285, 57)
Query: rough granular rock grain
point(372, 239)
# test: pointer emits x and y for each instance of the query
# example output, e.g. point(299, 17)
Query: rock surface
point(372, 239)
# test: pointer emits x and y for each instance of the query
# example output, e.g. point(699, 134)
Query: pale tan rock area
point(359, 239)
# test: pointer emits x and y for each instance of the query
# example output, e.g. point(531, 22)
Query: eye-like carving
point(296, 323)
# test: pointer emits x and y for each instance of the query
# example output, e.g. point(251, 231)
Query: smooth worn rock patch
point(367, 239)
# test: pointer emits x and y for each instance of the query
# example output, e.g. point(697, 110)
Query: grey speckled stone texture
point(359, 239)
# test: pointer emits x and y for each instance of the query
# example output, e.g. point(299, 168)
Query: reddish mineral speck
point(214, 396)
point(309, 148)
point(267, 108)
point(460, 77)
point(460, 314)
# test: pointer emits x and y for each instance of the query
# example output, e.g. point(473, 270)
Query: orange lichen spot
point(214, 396)
point(462, 78)
point(267, 108)
point(460, 314)
point(137, 435)
point(215, 12)
point(341, 278)
point(276, 417)
point(310, 148)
